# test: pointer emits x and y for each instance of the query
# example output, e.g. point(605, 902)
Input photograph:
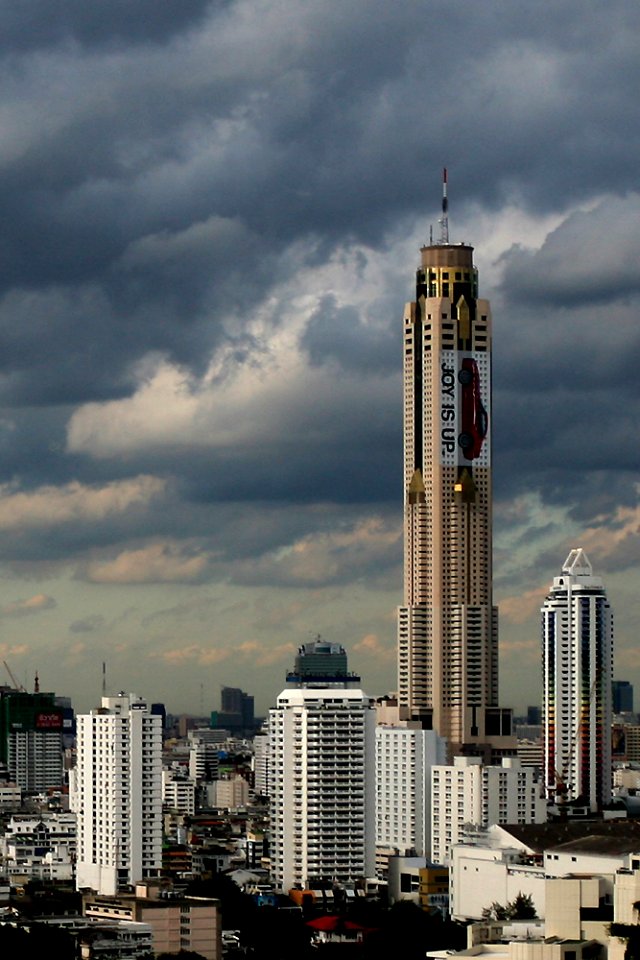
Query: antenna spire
point(444, 219)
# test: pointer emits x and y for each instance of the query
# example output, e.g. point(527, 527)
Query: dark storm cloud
point(566, 347)
point(38, 23)
point(316, 135)
point(591, 258)
point(338, 334)
point(167, 168)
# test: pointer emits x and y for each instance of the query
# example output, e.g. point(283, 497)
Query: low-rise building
point(177, 923)
point(42, 848)
point(178, 793)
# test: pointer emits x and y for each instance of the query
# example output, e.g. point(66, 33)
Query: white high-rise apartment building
point(404, 759)
point(448, 624)
point(469, 793)
point(119, 794)
point(577, 637)
point(322, 786)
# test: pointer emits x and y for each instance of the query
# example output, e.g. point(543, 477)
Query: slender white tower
point(577, 637)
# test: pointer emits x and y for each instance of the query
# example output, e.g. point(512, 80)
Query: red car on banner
point(474, 419)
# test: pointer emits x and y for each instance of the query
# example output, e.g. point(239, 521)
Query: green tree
point(520, 908)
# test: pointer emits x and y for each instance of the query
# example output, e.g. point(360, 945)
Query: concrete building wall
point(404, 759)
point(467, 793)
point(480, 876)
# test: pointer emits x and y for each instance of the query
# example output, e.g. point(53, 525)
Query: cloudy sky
point(211, 212)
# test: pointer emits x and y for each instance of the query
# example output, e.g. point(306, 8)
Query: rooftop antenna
point(444, 219)
point(36, 683)
point(104, 679)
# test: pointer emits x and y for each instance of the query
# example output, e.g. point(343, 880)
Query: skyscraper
point(448, 625)
point(322, 757)
point(577, 638)
point(119, 795)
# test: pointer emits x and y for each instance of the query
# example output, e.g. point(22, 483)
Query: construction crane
point(16, 685)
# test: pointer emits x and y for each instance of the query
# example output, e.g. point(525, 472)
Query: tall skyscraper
point(118, 795)
point(322, 760)
point(577, 637)
point(448, 625)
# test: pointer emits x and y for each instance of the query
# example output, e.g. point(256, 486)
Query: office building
point(404, 759)
point(469, 794)
point(577, 638)
point(31, 739)
point(622, 693)
point(322, 787)
point(320, 659)
point(236, 712)
point(204, 754)
point(118, 797)
point(448, 625)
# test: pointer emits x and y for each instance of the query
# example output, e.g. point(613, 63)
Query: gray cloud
point(183, 183)
point(87, 624)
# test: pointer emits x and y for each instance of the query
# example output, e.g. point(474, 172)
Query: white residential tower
point(118, 795)
point(577, 638)
point(322, 758)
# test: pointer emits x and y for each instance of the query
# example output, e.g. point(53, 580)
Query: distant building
point(534, 716)
point(236, 712)
point(232, 793)
point(622, 693)
point(204, 755)
point(577, 637)
point(118, 795)
point(31, 739)
point(322, 757)
point(178, 793)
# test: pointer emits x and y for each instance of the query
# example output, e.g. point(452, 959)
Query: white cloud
point(51, 506)
point(23, 608)
point(165, 562)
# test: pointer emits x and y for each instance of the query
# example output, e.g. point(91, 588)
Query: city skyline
point(210, 217)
